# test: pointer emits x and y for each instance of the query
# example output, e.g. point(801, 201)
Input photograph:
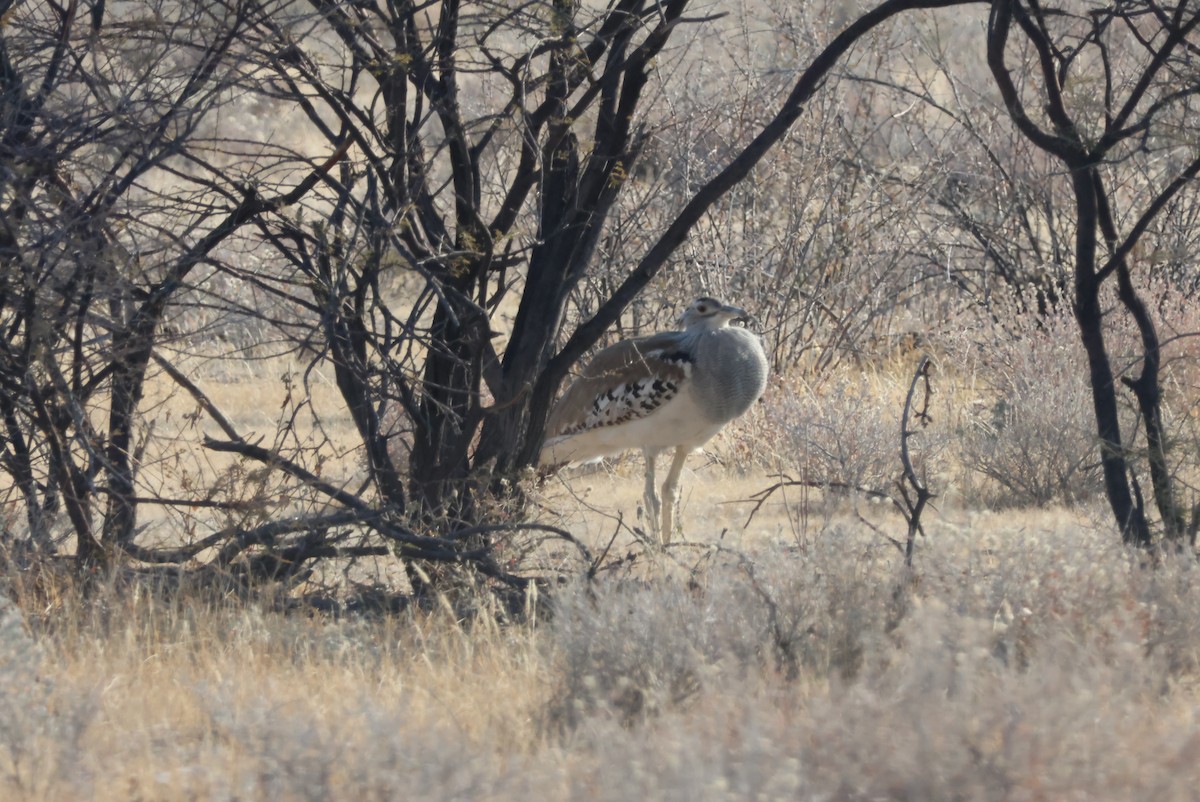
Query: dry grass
point(1032, 659)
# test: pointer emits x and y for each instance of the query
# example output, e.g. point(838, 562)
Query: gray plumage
point(675, 389)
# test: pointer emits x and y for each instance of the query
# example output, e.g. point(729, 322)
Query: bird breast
point(730, 372)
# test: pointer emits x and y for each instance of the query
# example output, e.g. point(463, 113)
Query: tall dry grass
point(1031, 658)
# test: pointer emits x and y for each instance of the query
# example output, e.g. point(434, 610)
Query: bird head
point(710, 313)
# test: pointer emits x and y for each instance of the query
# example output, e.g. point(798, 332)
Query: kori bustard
point(672, 390)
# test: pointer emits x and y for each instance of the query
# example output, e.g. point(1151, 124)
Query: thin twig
point(914, 508)
point(595, 566)
point(762, 496)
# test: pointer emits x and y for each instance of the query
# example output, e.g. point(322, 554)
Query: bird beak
point(738, 315)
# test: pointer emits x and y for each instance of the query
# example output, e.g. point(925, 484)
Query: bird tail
point(558, 452)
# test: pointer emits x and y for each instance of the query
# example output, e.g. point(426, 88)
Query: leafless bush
point(1172, 632)
point(947, 720)
point(990, 686)
point(818, 242)
point(844, 434)
point(1030, 433)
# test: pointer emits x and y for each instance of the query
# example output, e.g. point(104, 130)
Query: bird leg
point(671, 493)
point(650, 498)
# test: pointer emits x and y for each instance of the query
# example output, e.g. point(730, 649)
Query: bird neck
point(703, 326)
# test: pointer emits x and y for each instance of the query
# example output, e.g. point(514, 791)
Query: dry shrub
point(1172, 631)
point(831, 603)
point(937, 710)
point(1179, 329)
point(1013, 420)
point(947, 720)
point(634, 651)
point(844, 433)
point(1028, 434)
point(1028, 437)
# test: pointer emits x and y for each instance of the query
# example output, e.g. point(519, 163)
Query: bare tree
point(91, 108)
point(1066, 176)
point(1103, 88)
point(491, 137)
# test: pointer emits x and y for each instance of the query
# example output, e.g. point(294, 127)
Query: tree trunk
point(1130, 516)
point(448, 412)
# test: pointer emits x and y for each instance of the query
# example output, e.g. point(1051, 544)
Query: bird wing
point(624, 381)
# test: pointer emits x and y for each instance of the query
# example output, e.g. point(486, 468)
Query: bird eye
point(702, 309)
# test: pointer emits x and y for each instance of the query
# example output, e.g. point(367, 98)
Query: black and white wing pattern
point(624, 382)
